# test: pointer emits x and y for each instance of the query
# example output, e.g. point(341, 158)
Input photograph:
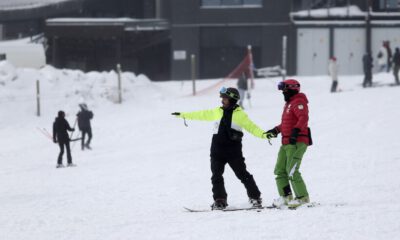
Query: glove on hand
point(73, 129)
point(294, 135)
point(55, 141)
point(176, 113)
point(273, 133)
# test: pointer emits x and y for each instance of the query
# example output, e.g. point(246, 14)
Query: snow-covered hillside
point(146, 165)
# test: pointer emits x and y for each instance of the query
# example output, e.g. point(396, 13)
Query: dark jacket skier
point(396, 65)
point(60, 136)
point(84, 117)
point(226, 146)
point(367, 66)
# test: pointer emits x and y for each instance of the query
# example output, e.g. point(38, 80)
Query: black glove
point(273, 133)
point(294, 135)
point(55, 141)
point(72, 129)
point(176, 113)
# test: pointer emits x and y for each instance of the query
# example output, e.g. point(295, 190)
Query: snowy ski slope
point(146, 165)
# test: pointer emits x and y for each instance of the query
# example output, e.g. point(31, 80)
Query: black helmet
point(231, 93)
point(61, 114)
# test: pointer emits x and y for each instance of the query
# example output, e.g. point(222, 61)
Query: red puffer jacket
point(295, 115)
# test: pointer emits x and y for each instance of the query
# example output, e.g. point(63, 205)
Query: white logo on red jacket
point(288, 108)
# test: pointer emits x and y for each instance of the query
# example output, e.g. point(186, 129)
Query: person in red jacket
point(296, 138)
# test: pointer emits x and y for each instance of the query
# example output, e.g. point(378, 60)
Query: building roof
point(128, 24)
point(28, 9)
point(10, 5)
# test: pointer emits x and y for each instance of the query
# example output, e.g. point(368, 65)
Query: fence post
point(284, 53)
point(119, 83)
point(37, 98)
point(193, 61)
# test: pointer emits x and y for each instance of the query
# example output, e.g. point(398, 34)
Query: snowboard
point(229, 209)
point(268, 207)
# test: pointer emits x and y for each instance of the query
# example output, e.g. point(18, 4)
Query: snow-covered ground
point(146, 165)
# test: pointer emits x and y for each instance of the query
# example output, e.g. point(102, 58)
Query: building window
point(389, 4)
point(231, 3)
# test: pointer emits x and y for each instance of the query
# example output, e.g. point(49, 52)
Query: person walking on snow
point(388, 56)
point(242, 87)
point(382, 58)
point(84, 116)
point(396, 65)
point(367, 66)
point(296, 137)
point(226, 145)
point(333, 72)
point(60, 136)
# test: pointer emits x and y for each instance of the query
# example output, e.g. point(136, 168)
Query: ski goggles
point(283, 86)
point(224, 91)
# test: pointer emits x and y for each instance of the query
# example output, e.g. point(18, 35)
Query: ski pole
point(45, 133)
point(72, 133)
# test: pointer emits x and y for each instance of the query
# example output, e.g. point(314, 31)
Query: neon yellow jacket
point(239, 120)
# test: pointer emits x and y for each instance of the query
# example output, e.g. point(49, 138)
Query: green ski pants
point(287, 170)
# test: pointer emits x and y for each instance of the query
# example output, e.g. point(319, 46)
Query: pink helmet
point(289, 84)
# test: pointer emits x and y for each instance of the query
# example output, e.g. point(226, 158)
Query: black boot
point(219, 204)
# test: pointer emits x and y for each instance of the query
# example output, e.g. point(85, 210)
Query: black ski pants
point(334, 86)
point(367, 79)
point(239, 168)
point(85, 131)
point(60, 156)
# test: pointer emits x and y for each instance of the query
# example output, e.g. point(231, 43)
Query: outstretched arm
point(244, 121)
point(203, 115)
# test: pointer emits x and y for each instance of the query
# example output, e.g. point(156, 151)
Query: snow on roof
point(6, 5)
point(331, 12)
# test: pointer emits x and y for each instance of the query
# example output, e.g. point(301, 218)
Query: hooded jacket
point(295, 115)
point(84, 117)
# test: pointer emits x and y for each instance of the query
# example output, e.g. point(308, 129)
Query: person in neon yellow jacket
point(226, 145)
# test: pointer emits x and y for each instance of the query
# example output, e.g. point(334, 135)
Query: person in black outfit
point(367, 66)
point(389, 56)
point(396, 65)
point(84, 117)
point(60, 136)
point(226, 145)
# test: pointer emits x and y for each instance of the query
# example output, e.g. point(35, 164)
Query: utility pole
point(193, 63)
point(119, 71)
point(38, 98)
point(368, 27)
point(284, 53)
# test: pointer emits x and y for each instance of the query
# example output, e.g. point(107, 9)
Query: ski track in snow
point(146, 165)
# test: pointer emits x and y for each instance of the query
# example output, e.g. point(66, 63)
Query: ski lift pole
point(251, 75)
point(284, 50)
point(38, 98)
point(119, 83)
point(193, 64)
